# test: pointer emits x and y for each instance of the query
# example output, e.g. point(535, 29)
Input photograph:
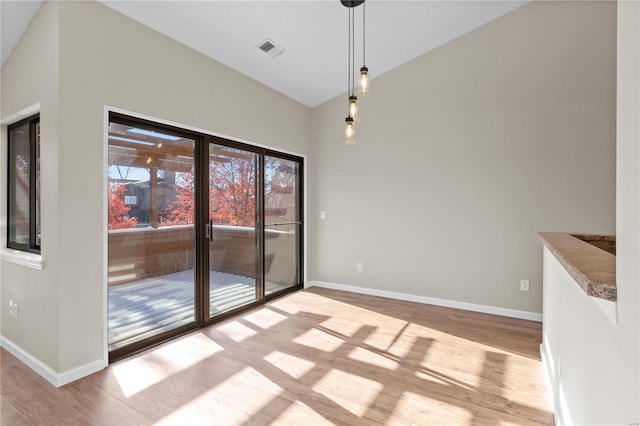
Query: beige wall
point(627, 364)
point(30, 75)
point(108, 59)
point(465, 153)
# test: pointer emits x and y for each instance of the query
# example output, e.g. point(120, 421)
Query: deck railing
point(139, 253)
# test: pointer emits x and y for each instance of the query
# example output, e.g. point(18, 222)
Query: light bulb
point(353, 108)
point(363, 83)
point(349, 131)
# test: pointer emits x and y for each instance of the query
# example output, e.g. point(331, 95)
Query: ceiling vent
point(271, 48)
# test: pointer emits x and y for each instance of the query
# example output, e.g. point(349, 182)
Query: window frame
point(33, 246)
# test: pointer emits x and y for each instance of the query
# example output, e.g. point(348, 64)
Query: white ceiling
point(313, 68)
point(15, 17)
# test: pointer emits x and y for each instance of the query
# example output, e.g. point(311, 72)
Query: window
point(130, 200)
point(24, 185)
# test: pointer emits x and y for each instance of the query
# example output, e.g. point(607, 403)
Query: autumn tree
point(232, 192)
point(280, 196)
point(181, 210)
point(118, 209)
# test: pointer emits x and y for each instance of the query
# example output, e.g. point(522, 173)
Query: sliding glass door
point(233, 242)
point(151, 243)
point(282, 223)
point(199, 227)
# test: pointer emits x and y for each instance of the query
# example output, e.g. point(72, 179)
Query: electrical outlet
point(323, 215)
point(13, 309)
point(359, 266)
point(524, 285)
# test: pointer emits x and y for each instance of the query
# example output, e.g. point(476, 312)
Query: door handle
point(209, 230)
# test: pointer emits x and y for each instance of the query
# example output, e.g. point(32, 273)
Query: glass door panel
point(283, 225)
point(151, 241)
point(233, 277)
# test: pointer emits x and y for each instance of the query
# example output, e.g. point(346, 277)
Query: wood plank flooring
point(314, 357)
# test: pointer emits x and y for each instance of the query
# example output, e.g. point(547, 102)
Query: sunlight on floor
point(292, 365)
point(264, 318)
point(373, 358)
point(221, 405)
point(408, 409)
point(345, 389)
point(341, 325)
point(206, 410)
point(317, 339)
point(236, 331)
point(249, 379)
point(301, 414)
point(137, 374)
point(440, 378)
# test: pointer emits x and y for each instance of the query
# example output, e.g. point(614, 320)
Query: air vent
point(271, 48)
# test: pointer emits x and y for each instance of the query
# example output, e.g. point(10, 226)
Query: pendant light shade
point(349, 131)
point(363, 82)
point(353, 108)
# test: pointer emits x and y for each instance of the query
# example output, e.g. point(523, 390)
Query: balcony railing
point(140, 253)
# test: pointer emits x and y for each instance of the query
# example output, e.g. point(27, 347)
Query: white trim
point(22, 114)
point(105, 234)
point(23, 258)
point(48, 373)
point(505, 312)
point(80, 372)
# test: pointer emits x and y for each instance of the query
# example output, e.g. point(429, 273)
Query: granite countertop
point(593, 268)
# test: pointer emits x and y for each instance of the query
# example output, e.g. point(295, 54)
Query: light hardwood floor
point(314, 357)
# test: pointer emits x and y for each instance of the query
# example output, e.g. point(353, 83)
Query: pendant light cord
point(353, 52)
point(349, 53)
point(364, 33)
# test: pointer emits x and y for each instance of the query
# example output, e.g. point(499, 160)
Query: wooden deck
point(149, 306)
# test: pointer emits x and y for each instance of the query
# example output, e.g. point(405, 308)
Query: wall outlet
point(323, 215)
point(13, 309)
point(359, 266)
point(524, 285)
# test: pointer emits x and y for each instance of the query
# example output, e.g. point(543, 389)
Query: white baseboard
point(48, 373)
point(505, 312)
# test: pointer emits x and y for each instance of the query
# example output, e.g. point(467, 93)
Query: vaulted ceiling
point(313, 34)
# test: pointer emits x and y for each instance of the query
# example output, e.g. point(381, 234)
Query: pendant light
point(349, 131)
point(349, 128)
point(352, 117)
point(353, 107)
point(363, 82)
point(353, 99)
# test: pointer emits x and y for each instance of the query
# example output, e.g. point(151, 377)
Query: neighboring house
point(138, 197)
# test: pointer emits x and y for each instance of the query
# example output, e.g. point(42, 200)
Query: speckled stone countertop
point(593, 268)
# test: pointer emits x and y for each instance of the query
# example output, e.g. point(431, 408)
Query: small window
point(130, 200)
point(24, 185)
